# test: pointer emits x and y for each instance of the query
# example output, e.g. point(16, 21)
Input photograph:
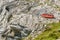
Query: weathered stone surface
point(20, 18)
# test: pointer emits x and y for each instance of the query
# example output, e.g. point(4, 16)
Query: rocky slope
point(21, 18)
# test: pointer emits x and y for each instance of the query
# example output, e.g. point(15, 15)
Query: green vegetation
point(51, 33)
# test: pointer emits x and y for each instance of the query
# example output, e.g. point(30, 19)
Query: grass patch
point(51, 33)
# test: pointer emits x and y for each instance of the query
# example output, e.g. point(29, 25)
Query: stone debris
point(21, 18)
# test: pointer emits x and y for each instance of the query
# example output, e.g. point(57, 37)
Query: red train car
point(47, 15)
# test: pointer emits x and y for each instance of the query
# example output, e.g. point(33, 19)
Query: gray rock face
point(20, 18)
point(15, 23)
